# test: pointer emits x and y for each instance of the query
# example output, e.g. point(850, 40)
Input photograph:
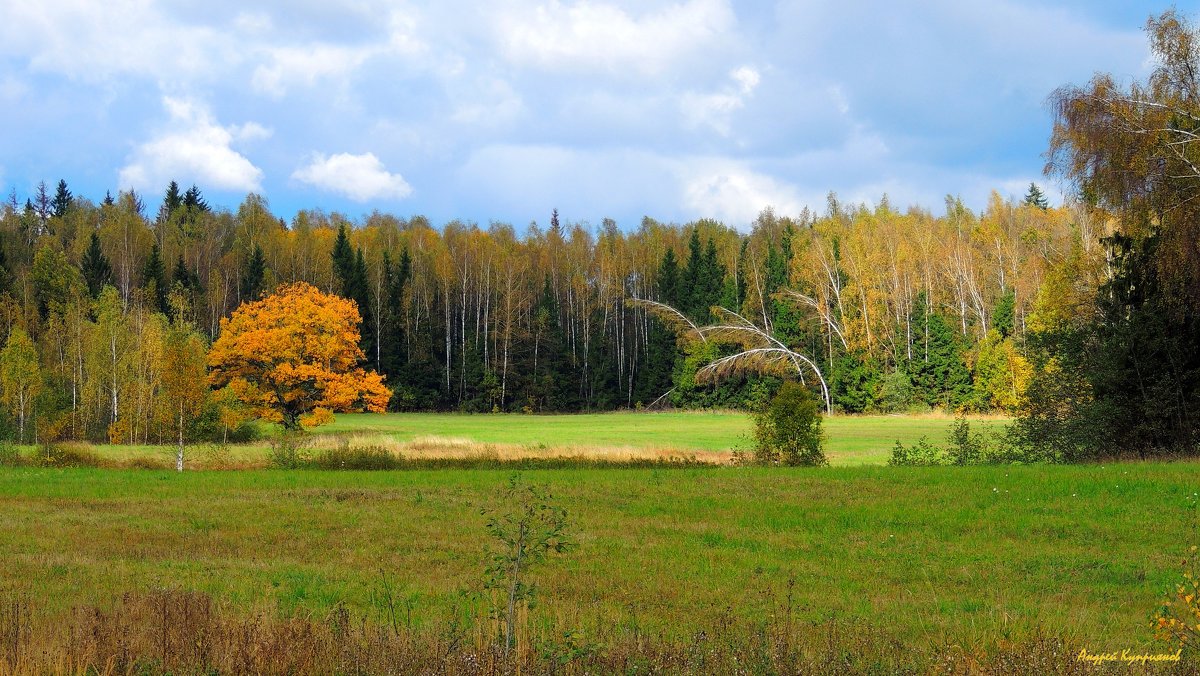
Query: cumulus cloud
point(601, 36)
point(359, 177)
point(194, 147)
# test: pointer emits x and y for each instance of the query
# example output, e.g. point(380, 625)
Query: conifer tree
point(192, 200)
point(62, 200)
point(154, 277)
point(1036, 198)
point(172, 201)
point(252, 278)
point(97, 271)
point(661, 350)
point(343, 262)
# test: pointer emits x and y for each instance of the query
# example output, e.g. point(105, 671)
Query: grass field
point(711, 436)
point(962, 555)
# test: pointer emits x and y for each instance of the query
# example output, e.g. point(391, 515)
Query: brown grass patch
point(457, 448)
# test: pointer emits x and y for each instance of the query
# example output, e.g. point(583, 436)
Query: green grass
point(968, 555)
point(850, 440)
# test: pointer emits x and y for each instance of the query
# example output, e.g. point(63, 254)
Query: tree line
point(900, 309)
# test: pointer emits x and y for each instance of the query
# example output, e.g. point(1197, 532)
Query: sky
point(503, 110)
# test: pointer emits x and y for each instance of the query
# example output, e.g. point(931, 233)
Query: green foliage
point(921, 454)
point(252, 278)
point(97, 271)
point(1002, 314)
point(895, 393)
point(289, 450)
point(55, 281)
point(347, 457)
point(788, 430)
point(1125, 382)
point(154, 280)
point(62, 200)
point(525, 530)
point(963, 447)
point(938, 370)
point(853, 382)
point(1036, 198)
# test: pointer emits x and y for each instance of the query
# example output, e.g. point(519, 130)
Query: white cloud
point(305, 65)
point(715, 110)
point(602, 37)
point(359, 177)
point(97, 40)
point(193, 147)
point(735, 194)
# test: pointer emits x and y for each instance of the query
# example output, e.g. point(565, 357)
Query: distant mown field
point(973, 555)
point(709, 436)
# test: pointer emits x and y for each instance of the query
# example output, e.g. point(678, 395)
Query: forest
point(902, 310)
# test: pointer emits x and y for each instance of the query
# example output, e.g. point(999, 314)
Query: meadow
point(930, 559)
point(967, 555)
point(707, 436)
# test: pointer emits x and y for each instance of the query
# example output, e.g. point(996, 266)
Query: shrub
point(788, 430)
point(357, 457)
point(1178, 619)
point(921, 454)
point(289, 450)
point(963, 447)
point(10, 455)
point(68, 454)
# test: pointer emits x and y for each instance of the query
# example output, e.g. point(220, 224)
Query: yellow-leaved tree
point(293, 358)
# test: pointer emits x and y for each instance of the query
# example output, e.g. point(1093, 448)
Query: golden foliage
point(294, 352)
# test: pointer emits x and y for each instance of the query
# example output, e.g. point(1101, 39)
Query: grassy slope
point(965, 554)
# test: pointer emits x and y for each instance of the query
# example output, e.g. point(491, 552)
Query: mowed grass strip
point(967, 555)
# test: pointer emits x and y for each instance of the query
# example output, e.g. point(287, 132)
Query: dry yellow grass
point(432, 447)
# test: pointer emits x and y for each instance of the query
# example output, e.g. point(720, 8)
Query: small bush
point(68, 454)
point(357, 458)
point(963, 447)
point(921, 454)
point(10, 455)
point(788, 430)
point(289, 450)
point(1178, 619)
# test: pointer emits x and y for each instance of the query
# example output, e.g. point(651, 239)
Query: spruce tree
point(1036, 198)
point(181, 277)
point(550, 378)
point(360, 294)
point(97, 271)
point(172, 201)
point(193, 201)
point(343, 262)
point(655, 376)
point(1002, 315)
point(395, 277)
point(62, 200)
point(154, 277)
point(252, 278)
point(690, 291)
point(939, 373)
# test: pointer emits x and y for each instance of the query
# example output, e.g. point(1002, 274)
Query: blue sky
point(504, 110)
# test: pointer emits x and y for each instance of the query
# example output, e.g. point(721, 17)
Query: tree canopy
point(293, 357)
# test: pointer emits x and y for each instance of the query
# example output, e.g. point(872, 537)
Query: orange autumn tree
point(293, 358)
